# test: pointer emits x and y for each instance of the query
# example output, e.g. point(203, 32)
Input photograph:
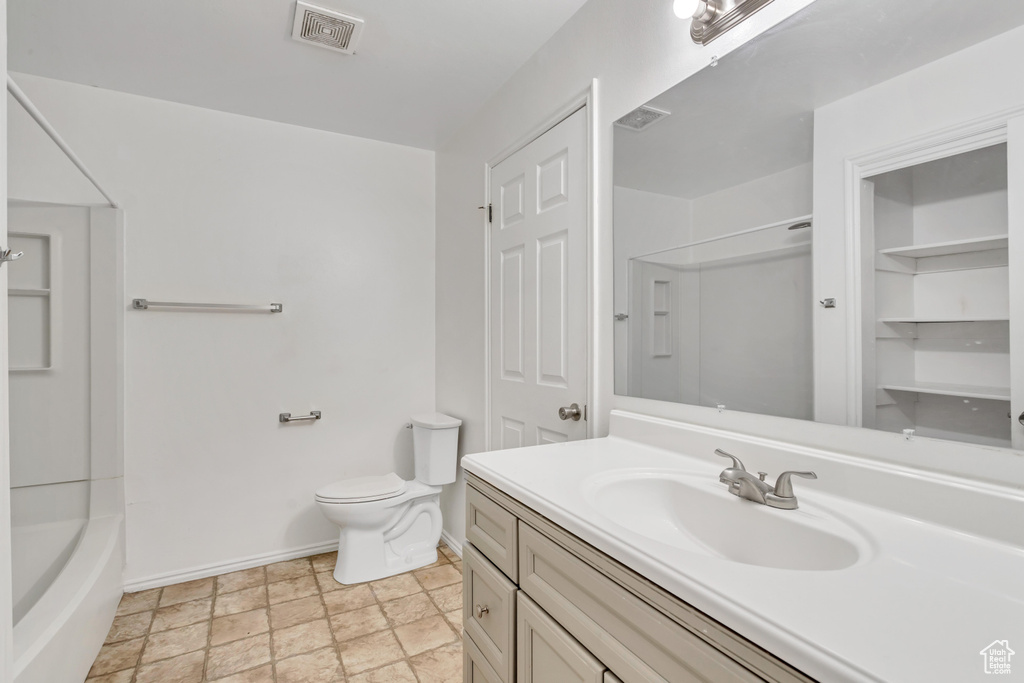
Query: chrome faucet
point(745, 485)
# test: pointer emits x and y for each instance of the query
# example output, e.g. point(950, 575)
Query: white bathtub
point(58, 638)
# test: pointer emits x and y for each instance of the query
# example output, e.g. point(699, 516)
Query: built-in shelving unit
point(936, 310)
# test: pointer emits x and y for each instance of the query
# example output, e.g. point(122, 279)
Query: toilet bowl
point(389, 525)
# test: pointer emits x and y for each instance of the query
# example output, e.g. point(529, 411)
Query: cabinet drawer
point(493, 530)
point(489, 612)
point(636, 641)
point(475, 667)
point(546, 653)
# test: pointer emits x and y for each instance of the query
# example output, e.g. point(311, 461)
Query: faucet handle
point(783, 485)
point(736, 462)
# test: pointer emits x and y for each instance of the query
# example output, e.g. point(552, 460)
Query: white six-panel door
point(538, 288)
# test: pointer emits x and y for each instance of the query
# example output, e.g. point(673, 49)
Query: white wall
point(635, 51)
point(225, 208)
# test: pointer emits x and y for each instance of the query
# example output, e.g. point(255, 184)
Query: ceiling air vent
point(641, 118)
point(326, 28)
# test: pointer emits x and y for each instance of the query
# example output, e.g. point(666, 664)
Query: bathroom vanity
point(626, 559)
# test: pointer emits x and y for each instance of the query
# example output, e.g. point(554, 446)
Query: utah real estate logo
point(997, 657)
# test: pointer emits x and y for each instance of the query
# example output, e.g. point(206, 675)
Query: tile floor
point(291, 622)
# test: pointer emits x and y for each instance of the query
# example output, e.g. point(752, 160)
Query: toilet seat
point(362, 489)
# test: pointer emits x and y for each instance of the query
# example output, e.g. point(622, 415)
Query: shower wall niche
point(936, 300)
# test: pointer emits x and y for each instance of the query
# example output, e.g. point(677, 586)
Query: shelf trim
point(961, 390)
point(975, 319)
point(989, 243)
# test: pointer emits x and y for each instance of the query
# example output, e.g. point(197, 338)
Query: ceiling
point(753, 114)
point(422, 67)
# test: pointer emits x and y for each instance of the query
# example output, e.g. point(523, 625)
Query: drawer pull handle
point(481, 611)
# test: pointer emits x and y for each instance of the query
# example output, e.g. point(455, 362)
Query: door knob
point(1020, 418)
point(571, 412)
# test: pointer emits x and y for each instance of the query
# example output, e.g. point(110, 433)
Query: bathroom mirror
point(788, 239)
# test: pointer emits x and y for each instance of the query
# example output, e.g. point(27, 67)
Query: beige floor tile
point(129, 626)
point(348, 599)
point(438, 577)
point(443, 665)
point(399, 672)
point(186, 668)
point(182, 614)
point(441, 559)
point(356, 623)
point(458, 565)
point(370, 652)
point(292, 589)
point(236, 581)
point(138, 602)
point(238, 656)
point(327, 583)
point(425, 634)
point(264, 674)
point(448, 598)
point(455, 619)
point(325, 562)
point(395, 587)
point(292, 569)
point(117, 677)
point(175, 642)
point(408, 609)
point(449, 553)
point(238, 626)
point(116, 657)
point(307, 637)
point(184, 592)
point(321, 666)
point(240, 601)
point(285, 614)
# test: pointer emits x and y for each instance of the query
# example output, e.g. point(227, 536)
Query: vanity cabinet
point(578, 614)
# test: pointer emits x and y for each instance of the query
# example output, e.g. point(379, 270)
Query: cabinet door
point(546, 653)
point(489, 611)
point(475, 667)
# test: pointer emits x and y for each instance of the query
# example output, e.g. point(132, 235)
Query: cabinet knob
point(481, 611)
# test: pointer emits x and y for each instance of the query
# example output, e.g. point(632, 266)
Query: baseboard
point(180, 576)
point(451, 542)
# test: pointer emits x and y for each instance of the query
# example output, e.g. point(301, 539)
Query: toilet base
point(408, 541)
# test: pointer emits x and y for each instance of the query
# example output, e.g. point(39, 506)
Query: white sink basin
point(695, 512)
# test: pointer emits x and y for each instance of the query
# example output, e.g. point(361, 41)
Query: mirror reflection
point(790, 241)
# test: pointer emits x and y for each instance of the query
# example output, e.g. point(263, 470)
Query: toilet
point(389, 525)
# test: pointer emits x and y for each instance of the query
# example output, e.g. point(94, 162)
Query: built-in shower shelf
point(960, 390)
point(948, 248)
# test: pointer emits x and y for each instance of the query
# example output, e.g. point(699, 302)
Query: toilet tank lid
point(435, 421)
point(363, 488)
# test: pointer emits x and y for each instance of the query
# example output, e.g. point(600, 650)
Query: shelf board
point(961, 390)
point(948, 248)
point(933, 319)
point(14, 291)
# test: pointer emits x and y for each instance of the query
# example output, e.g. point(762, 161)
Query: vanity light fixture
point(712, 18)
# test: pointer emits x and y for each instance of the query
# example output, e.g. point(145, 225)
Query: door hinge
point(490, 212)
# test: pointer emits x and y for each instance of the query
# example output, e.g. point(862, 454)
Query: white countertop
point(919, 607)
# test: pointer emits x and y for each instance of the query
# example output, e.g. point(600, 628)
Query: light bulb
point(685, 9)
point(701, 10)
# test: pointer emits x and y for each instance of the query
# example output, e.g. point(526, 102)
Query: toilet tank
point(435, 443)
